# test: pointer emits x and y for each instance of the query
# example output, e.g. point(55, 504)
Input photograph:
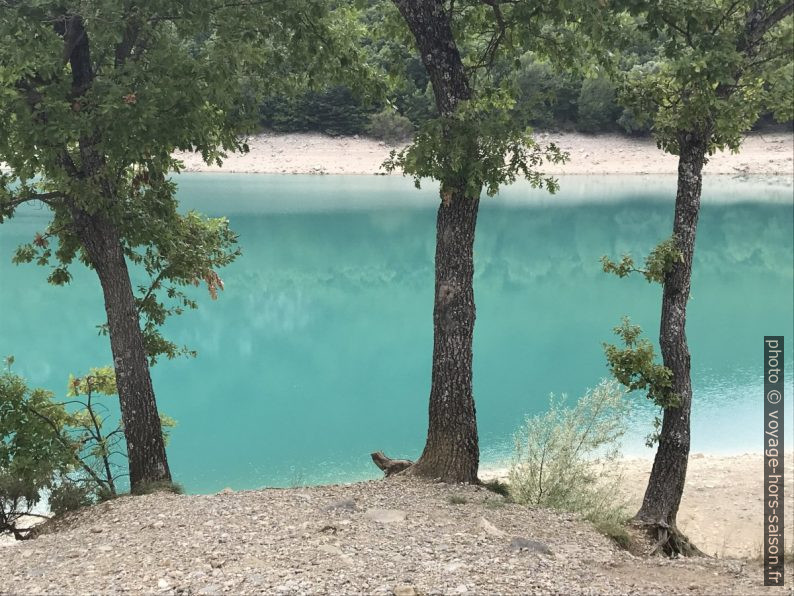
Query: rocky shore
point(396, 536)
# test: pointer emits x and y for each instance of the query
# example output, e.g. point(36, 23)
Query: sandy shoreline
point(723, 505)
point(722, 509)
point(310, 153)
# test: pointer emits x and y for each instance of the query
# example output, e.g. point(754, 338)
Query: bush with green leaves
point(68, 450)
point(597, 107)
point(390, 126)
point(567, 458)
point(34, 450)
point(546, 97)
point(99, 448)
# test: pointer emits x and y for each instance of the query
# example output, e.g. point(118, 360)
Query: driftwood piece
point(388, 465)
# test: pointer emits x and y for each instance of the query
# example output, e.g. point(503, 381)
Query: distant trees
point(547, 97)
point(720, 64)
point(334, 110)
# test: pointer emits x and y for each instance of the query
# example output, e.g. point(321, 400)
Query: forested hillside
point(547, 97)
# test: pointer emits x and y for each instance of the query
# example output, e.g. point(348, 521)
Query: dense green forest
point(547, 97)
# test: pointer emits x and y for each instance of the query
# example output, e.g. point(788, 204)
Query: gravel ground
point(399, 536)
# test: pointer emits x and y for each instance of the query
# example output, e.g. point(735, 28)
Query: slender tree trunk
point(451, 452)
point(666, 484)
point(142, 430)
point(102, 244)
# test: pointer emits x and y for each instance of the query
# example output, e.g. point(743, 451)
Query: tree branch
point(66, 444)
point(47, 197)
point(756, 29)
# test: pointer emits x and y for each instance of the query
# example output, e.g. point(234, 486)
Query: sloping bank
point(381, 537)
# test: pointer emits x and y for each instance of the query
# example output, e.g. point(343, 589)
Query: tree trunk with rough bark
point(666, 484)
point(139, 415)
point(102, 243)
point(451, 452)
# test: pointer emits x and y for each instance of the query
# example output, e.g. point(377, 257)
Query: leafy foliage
point(657, 264)
point(476, 147)
point(62, 448)
point(34, 450)
point(718, 67)
point(565, 458)
point(634, 366)
point(98, 448)
point(546, 97)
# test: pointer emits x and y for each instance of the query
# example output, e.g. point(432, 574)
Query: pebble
point(386, 516)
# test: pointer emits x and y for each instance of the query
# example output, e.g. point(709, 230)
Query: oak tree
point(473, 145)
point(95, 96)
point(719, 64)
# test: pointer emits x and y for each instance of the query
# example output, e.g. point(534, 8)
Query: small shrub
point(566, 458)
point(33, 449)
point(613, 526)
point(498, 487)
point(494, 503)
point(70, 496)
point(390, 127)
point(159, 486)
point(633, 123)
point(457, 500)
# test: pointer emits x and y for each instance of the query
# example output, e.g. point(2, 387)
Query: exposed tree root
point(390, 466)
point(668, 539)
point(418, 469)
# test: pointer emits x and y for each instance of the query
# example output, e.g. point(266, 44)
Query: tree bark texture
point(103, 245)
point(666, 484)
point(139, 415)
point(431, 26)
point(451, 451)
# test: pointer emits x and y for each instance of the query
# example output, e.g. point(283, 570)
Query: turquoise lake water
point(318, 352)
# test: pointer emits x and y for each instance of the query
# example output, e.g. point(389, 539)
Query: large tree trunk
point(142, 430)
point(452, 449)
point(102, 244)
point(451, 452)
point(666, 484)
point(431, 26)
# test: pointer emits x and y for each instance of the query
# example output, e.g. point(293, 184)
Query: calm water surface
point(318, 352)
